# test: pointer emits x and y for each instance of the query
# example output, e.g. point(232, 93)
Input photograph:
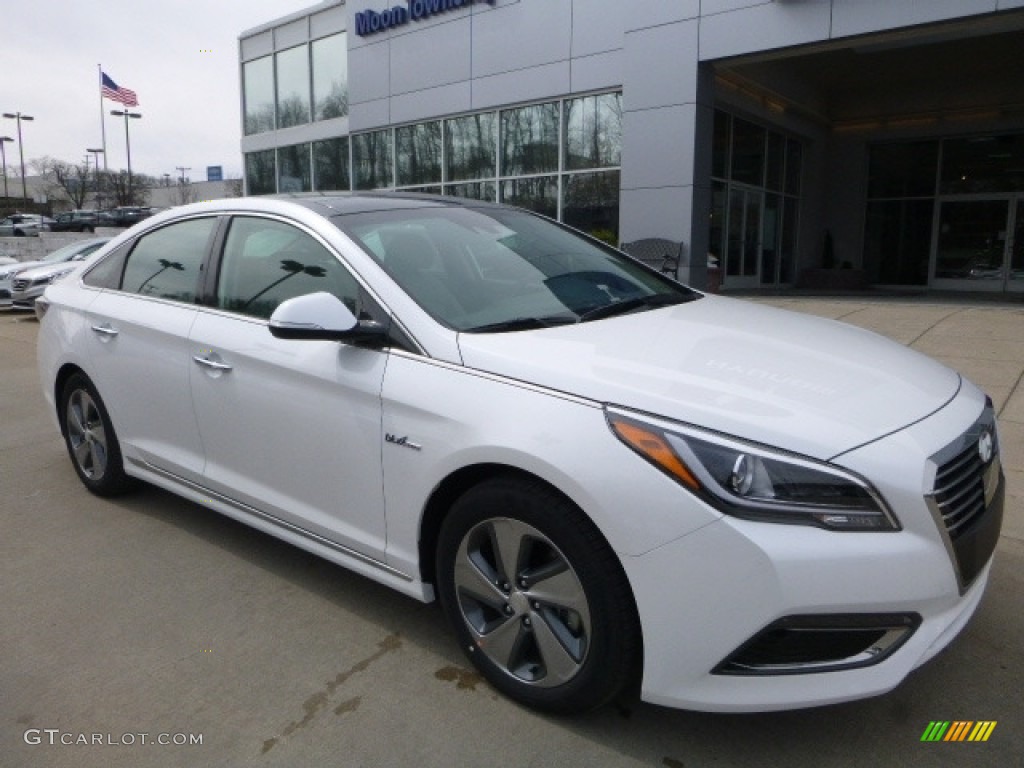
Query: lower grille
point(805, 644)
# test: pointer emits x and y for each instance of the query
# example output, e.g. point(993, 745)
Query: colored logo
point(958, 730)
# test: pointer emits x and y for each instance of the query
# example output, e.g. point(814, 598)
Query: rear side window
point(166, 263)
point(266, 262)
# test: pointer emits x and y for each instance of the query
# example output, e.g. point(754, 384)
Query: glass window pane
point(266, 262)
point(258, 84)
point(470, 146)
point(720, 145)
point(418, 154)
point(330, 164)
point(716, 240)
point(775, 161)
point(748, 152)
point(259, 173)
point(372, 160)
point(482, 190)
point(770, 231)
point(982, 164)
point(293, 169)
point(537, 194)
point(897, 241)
point(904, 169)
point(593, 131)
point(166, 262)
point(292, 87)
point(787, 251)
point(794, 158)
point(591, 204)
point(972, 239)
point(330, 77)
point(529, 139)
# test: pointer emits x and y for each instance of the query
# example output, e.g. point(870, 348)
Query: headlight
point(54, 278)
point(754, 481)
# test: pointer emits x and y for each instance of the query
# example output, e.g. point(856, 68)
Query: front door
point(743, 246)
point(979, 244)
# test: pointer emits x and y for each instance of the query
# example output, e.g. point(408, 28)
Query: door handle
point(105, 330)
point(215, 365)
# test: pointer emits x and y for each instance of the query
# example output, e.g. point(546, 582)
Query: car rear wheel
point(537, 598)
point(90, 438)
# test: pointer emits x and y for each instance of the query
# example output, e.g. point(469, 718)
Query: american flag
point(113, 91)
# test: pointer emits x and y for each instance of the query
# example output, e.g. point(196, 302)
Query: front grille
point(960, 490)
point(968, 497)
point(21, 284)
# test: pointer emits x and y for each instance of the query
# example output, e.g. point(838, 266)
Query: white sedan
point(603, 475)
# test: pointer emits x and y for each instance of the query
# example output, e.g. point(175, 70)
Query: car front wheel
point(90, 438)
point(537, 598)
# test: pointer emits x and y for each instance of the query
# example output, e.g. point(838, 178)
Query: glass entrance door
point(743, 248)
point(979, 244)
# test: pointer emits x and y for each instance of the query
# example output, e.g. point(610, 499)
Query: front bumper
point(708, 595)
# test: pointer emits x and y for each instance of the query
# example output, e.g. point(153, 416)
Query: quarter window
point(267, 262)
point(166, 263)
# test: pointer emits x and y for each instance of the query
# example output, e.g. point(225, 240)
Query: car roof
point(341, 203)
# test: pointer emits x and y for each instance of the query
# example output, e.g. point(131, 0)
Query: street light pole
point(21, 148)
point(127, 142)
point(96, 153)
point(3, 155)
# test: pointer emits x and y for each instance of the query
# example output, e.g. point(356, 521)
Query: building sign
point(371, 22)
point(215, 173)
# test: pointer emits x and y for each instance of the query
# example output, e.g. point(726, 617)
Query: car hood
point(805, 384)
point(21, 266)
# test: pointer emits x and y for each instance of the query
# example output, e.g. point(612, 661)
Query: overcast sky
point(179, 56)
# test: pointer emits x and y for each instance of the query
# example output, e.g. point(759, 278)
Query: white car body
point(353, 444)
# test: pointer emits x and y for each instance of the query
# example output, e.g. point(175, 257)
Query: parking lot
point(150, 619)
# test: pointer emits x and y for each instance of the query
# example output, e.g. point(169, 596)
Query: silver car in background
point(29, 285)
point(59, 258)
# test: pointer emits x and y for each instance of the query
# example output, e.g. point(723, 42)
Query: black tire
point(90, 438)
point(90, 230)
point(18, 233)
point(558, 631)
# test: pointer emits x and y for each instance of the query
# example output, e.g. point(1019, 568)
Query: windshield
point(495, 269)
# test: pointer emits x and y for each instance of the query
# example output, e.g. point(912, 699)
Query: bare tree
point(116, 187)
point(64, 180)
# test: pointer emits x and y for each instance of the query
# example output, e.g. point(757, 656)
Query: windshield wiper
point(523, 324)
point(632, 305)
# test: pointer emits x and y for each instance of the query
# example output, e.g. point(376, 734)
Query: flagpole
point(103, 124)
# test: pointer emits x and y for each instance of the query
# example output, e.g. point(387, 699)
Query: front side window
point(166, 263)
point(266, 262)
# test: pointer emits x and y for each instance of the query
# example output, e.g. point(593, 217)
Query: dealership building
point(822, 143)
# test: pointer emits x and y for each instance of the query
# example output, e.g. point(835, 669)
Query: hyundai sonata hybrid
point(604, 476)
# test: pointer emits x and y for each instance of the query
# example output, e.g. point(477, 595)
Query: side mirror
point(322, 316)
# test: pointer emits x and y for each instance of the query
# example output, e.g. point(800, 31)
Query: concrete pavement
point(151, 615)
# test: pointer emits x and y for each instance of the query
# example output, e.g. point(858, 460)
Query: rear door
point(139, 349)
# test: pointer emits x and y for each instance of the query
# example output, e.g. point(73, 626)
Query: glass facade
point(330, 77)
point(258, 86)
point(296, 85)
point(560, 158)
point(946, 209)
point(418, 154)
point(755, 200)
point(372, 160)
point(292, 86)
point(293, 169)
point(330, 165)
point(259, 172)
